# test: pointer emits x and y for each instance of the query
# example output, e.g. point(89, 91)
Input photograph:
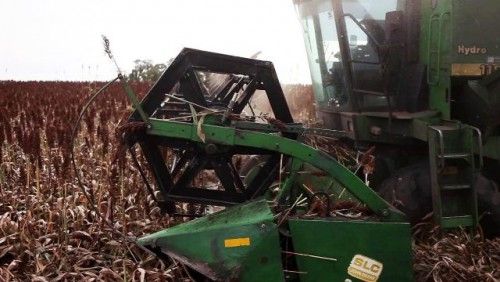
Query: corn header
point(291, 212)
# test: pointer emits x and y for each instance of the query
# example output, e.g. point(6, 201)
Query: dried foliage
point(454, 256)
point(300, 100)
point(49, 232)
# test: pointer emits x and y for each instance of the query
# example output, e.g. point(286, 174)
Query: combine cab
point(418, 80)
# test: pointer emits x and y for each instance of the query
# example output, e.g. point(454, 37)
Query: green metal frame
point(243, 242)
point(226, 246)
point(227, 136)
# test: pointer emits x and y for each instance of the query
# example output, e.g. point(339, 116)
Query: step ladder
point(455, 152)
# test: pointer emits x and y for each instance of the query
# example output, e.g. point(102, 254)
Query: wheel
point(408, 189)
point(488, 198)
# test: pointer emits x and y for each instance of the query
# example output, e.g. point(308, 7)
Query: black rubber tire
point(408, 189)
point(488, 199)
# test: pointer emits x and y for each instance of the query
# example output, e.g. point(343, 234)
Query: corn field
point(50, 231)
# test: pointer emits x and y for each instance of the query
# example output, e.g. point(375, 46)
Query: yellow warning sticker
point(237, 242)
point(365, 268)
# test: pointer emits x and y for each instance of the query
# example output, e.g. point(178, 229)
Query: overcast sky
point(61, 40)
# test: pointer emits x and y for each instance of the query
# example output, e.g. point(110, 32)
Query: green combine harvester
point(418, 81)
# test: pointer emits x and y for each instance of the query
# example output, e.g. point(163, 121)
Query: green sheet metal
point(474, 29)
point(237, 244)
point(334, 250)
